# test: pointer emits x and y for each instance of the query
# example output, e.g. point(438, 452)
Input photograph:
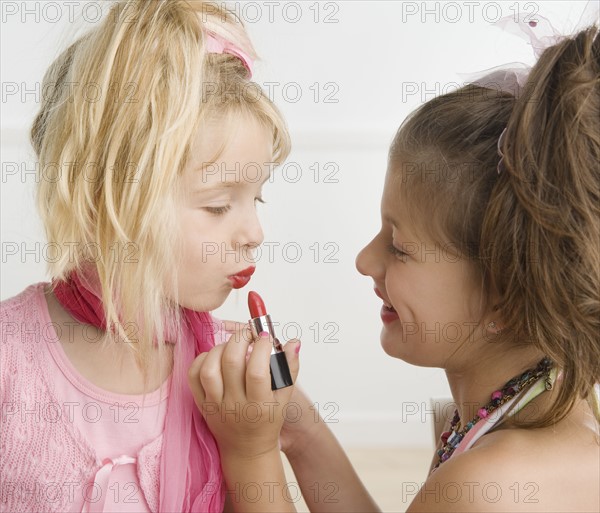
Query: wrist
point(303, 439)
point(263, 474)
point(250, 453)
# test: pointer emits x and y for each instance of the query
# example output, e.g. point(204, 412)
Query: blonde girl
point(133, 197)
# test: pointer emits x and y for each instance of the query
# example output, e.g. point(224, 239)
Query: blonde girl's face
point(219, 220)
point(429, 293)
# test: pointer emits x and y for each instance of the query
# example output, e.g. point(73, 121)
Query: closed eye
point(218, 211)
point(396, 252)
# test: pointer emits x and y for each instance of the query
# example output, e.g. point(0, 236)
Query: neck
point(472, 384)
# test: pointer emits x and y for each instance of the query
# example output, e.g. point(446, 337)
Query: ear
point(495, 319)
point(494, 327)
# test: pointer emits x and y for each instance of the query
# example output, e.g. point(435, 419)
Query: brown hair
point(533, 230)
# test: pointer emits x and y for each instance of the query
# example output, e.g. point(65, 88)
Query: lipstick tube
point(261, 321)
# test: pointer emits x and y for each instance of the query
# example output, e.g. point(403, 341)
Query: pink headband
point(217, 44)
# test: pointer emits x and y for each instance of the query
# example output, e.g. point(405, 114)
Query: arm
point(326, 477)
point(255, 484)
point(233, 392)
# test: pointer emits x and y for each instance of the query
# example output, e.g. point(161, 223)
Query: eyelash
point(219, 211)
point(396, 252)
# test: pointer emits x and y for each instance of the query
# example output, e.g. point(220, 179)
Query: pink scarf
point(190, 468)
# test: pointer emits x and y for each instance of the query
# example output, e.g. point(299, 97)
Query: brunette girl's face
point(430, 301)
point(219, 221)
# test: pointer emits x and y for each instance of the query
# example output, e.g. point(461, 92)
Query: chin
point(206, 302)
point(391, 343)
point(409, 351)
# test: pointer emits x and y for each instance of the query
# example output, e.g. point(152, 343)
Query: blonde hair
point(112, 162)
point(532, 232)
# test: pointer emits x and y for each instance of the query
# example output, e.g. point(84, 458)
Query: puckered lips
point(242, 278)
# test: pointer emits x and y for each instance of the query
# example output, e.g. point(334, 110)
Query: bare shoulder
point(542, 470)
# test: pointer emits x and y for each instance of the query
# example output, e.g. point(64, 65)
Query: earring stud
point(492, 325)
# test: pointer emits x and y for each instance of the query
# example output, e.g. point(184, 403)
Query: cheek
point(418, 295)
point(404, 287)
point(201, 238)
point(202, 258)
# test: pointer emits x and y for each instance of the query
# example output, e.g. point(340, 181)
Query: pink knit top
point(66, 444)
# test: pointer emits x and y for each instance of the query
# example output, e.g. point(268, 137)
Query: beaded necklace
point(450, 439)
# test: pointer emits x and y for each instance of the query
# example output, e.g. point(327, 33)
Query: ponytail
point(541, 231)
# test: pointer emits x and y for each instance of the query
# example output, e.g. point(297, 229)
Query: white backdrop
point(345, 74)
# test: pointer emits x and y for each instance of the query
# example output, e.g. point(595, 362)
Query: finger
point(233, 326)
point(194, 380)
point(258, 375)
point(211, 377)
point(292, 354)
point(233, 364)
point(225, 329)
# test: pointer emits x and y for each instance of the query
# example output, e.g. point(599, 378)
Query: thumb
point(292, 350)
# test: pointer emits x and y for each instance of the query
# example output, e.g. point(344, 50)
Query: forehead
point(397, 211)
point(236, 137)
point(391, 188)
point(392, 209)
point(230, 151)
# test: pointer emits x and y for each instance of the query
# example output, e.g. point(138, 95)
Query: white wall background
point(378, 60)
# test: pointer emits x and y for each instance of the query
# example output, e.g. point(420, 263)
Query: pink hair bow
point(540, 34)
point(218, 44)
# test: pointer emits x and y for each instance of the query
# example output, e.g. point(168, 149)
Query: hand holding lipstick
point(234, 390)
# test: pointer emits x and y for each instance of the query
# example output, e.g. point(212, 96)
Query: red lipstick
point(256, 305)
point(261, 321)
point(242, 278)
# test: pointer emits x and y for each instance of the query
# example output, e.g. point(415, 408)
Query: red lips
point(242, 278)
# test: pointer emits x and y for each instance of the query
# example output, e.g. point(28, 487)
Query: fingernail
point(263, 334)
point(250, 348)
point(298, 347)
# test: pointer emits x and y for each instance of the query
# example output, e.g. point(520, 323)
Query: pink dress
point(65, 444)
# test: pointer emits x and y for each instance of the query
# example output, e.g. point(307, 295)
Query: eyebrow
point(223, 185)
point(215, 187)
point(399, 230)
point(388, 218)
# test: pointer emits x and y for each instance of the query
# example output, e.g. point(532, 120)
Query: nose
point(250, 234)
point(369, 263)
